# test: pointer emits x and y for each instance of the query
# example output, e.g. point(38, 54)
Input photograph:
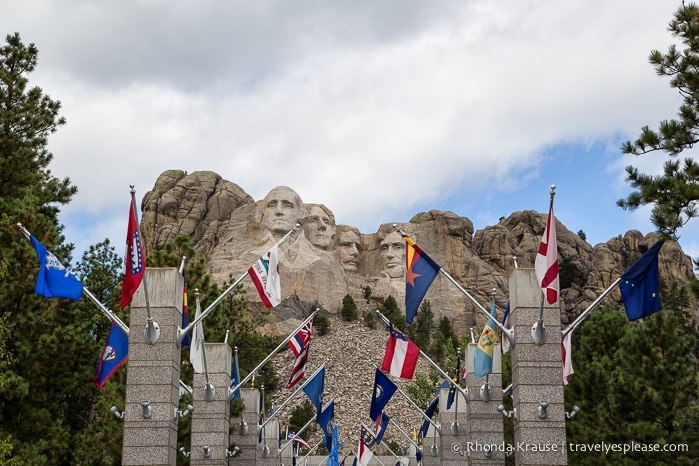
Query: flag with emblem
point(483, 358)
point(384, 389)
point(265, 275)
point(134, 260)
point(114, 354)
point(54, 280)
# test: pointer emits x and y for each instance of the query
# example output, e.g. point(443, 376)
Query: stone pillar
point(432, 445)
point(211, 417)
point(451, 434)
point(537, 376)
point(153, 372)
point(244, 428)
point(487, 427)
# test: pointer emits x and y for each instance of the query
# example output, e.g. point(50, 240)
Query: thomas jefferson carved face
point(319, 227)
point(282, 208)
point(393, 254)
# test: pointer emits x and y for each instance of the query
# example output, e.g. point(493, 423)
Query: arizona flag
point(546, 263)
point(567, 359)
point(420, 272)
point(53, 280)
point(265, 275)
point(115, 353)
point(401, 355)
point(134, 260)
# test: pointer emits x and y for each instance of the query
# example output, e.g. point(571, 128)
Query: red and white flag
point(567, 359)
point(300, 345)
point(134, 260)
point(364, 455)
point(546, 264)
point(265, 275)
point(401, 355)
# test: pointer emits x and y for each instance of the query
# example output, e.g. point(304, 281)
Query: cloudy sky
point(378, 109)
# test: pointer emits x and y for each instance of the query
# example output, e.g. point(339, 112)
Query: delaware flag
point(384, 389)
point(401, 355)
point(639, 285)
point(420, 272)
point(115, 353)
point(134, 260)
point(546, 262)
point(265, 275)
point(483, 359)
point(53, 280)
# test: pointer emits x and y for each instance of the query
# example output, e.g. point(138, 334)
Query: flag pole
point(424, 416)
point(152, 330)
point(578, 320)
point(509, 333)
point(432, 363)
point(302, 428)
point(232, 390)
point(182, 332)
point(109, 314)
point(278, 410)
point(539, 330)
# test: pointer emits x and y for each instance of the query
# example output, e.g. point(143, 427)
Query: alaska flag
point(134, 260)
point(53, 280)
point(420, 272)
point(384, 389)
point(314, 389)
point(115, 353)
point(483, 359)
point(639, 285)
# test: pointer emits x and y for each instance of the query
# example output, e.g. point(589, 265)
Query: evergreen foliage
point(349, 309)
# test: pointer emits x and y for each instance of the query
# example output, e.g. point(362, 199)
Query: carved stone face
point(393, 254)
point(348, 242)
point(319, 227)
point(282, 208)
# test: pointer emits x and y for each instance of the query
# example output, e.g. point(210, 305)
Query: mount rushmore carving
point(322, 261)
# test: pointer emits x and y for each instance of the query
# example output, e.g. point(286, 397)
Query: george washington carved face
point(282, 208)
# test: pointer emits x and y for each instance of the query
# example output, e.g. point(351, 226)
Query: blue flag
point(334, 456)
point(115, 353)
point(235, 376)
point(381, 428)
point(53, 280)
point(431, 408)
point(186, 341)
point(483, 359)
point(384, 389)
point(314, 389)
point(639, 285)
point(324, 420)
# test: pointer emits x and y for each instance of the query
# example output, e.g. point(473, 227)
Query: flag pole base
point(152, 332)
point(539, 333)
point(455, 428)
point(209, 392)
point(486, 392)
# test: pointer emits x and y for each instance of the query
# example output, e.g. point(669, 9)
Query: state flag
point(640, 285)
point(134, 260)
point(567, 358)
point(401, 355)
point(114, 354)
point(265, 275)
point(546, 262)
point(420, 272)
point(54, 280)
point(483, 357)
point(384, 389)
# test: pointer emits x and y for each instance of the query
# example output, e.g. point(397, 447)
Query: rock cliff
point(322, 262)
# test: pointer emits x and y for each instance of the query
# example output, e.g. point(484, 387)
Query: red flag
point(401, 355)
point(134, 261)
point(546, 264)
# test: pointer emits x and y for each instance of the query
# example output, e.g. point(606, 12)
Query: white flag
point(546, 264)
point(567, 359)
point(364, 455)
point(196, 350)
point(265, 275)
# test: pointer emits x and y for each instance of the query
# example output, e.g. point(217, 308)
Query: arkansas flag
point(546, 264)
point(401, 355)
point(265, 275)
point(134, 260)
